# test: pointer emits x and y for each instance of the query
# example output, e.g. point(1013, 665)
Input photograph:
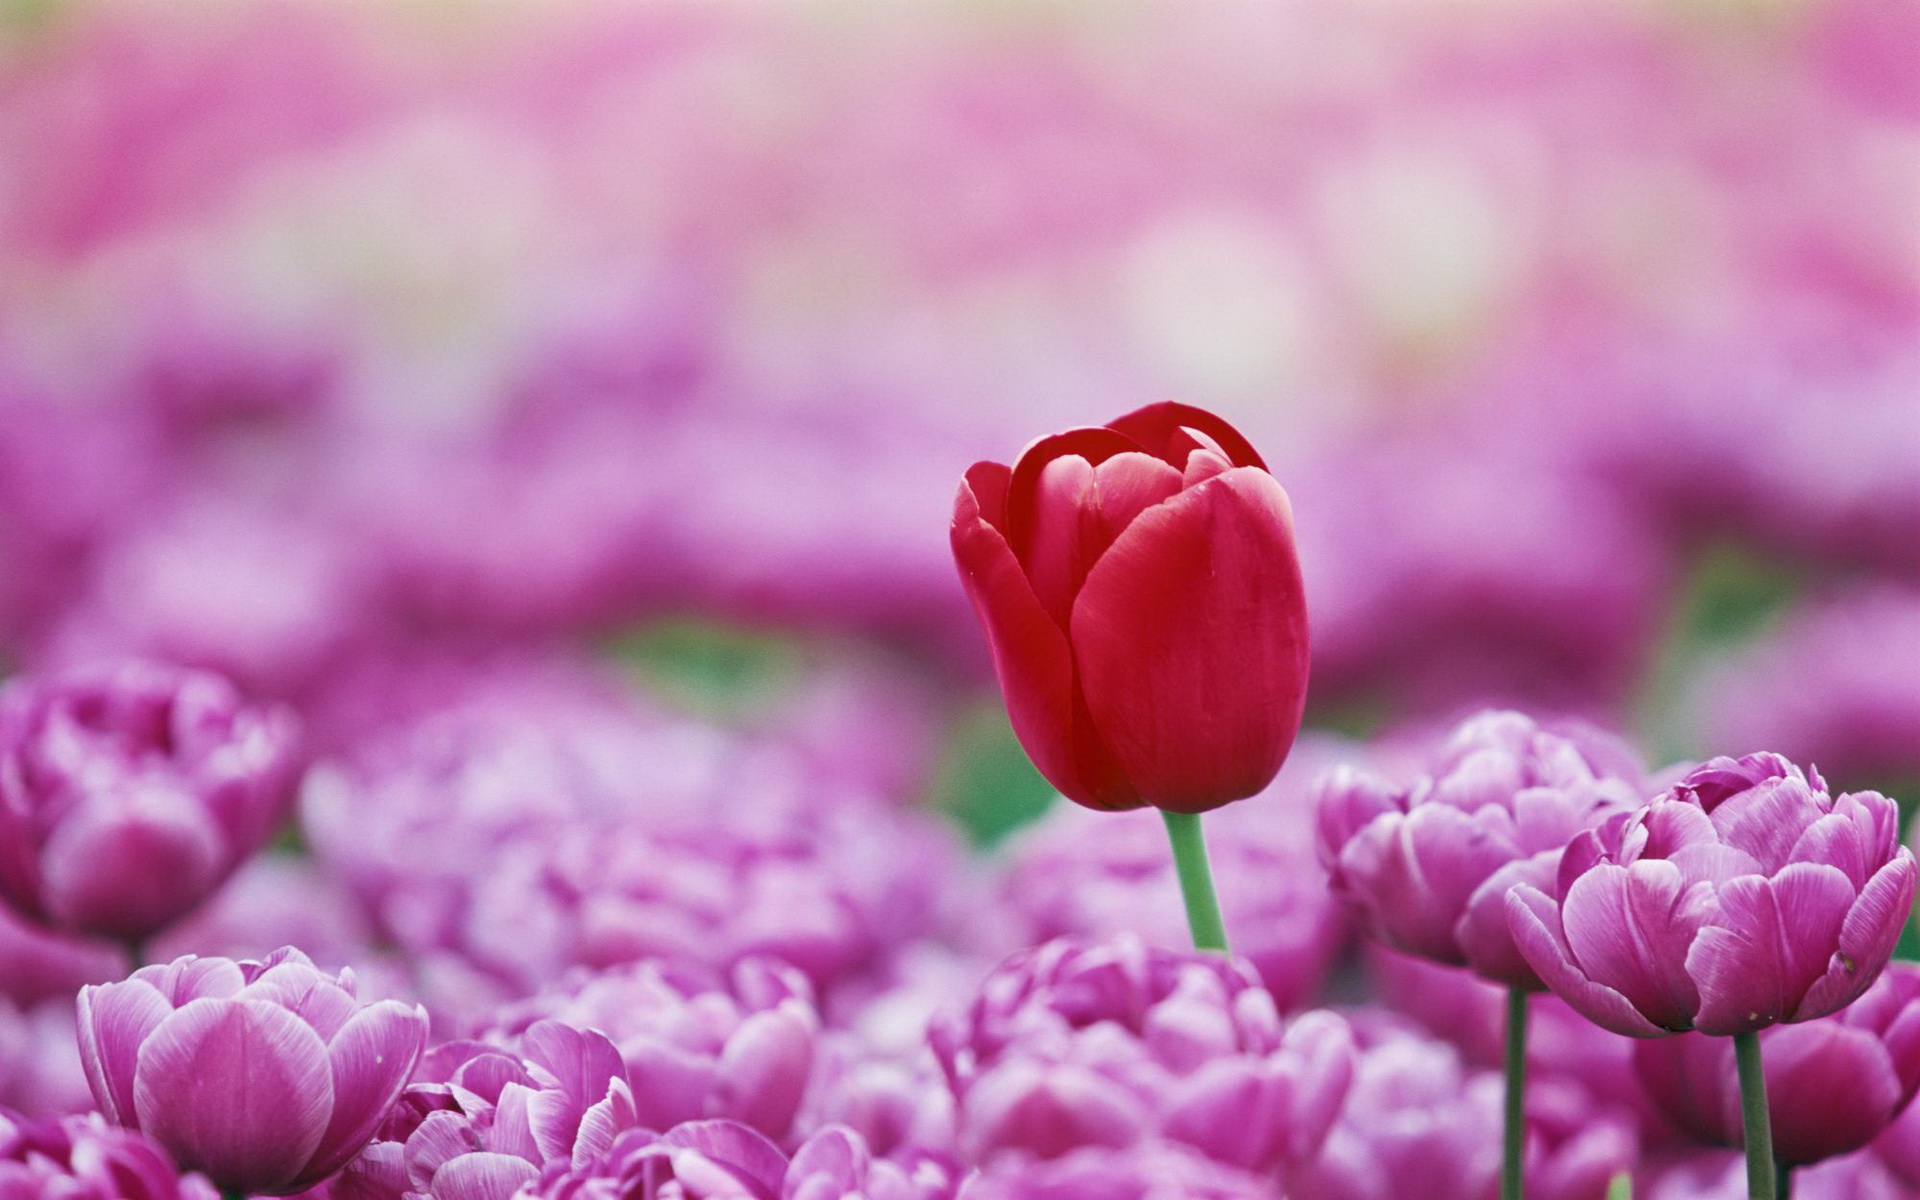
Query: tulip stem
point(1514, 1145)
point(1196, 881)
point(1753, 1111)
point(1785, 1186)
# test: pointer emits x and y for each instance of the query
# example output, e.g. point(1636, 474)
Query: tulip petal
point(1031, 657)
point(1867, 937)
point(763, 1070)
point(238, 1089)
point(1483, 934)
point(1190, 640)
point(1167, 430)
point(482, 1176)
point(127, 870)
point(1629, 928)
point(372, 1057)
point(741, 1150)
point(1027, 499)
point(305, 992)
point(1774, 938)
point(1766, 820)
point(114, 1019)
point(1534, 920)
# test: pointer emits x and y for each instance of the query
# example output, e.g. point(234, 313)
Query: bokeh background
point(598, 377)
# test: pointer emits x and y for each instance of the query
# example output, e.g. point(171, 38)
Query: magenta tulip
point(129, 793)
point(266, 1076)
point(1745, 896)
point(1833, 1084)
point(1426, 867)
point(84, 1158)
point(1141, 597)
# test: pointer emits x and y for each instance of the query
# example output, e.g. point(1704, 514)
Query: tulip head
point(84, 1158)
point(129, 793)
point(1744, 896)
point(1140, 592)
point(265, 1076)
point(1425, 867)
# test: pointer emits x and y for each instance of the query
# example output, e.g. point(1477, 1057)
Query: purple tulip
point(267, 1076)
point(129, 793)
point(479, 1122)
point(1076, 1044)
point(1743, 897)
point(84, 1158)
point(1426, 868)
point(1833, 1083)
point(1145, 1171)
point(696, 1046)
point(1084, 874)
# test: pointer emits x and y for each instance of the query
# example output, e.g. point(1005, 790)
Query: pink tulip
point(267, 1076)
point(129, 793)
point(1745, 896)
point(1141, 597)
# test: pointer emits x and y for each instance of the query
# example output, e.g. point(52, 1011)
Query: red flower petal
point(1190, 640)
point(1166, 430)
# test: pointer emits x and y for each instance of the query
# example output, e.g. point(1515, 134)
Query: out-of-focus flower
point(1426, 868)
point(267, 598)
point(1153, 1170)
point(1832, 684)
point(1832, 1084)
point(695, 1046)
point(1416, 1112)
point(576, 829)
point(1434, 591)
point(84, 1158)
point(1081, 874)
point(1743, 897)
point(268, 1076)
point(1076, 1043)
point(479, 1122)
point(39, 964)
point(275, 900)
point(129, 793)
point(724, 1159)
point(1141, 597)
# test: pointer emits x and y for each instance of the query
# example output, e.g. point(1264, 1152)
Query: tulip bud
point(266, 1076)
point(1141, 596)
point(128, 794)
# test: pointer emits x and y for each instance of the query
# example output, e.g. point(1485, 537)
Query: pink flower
point(1426, 868)
point(129, 793)
point(84, 1158)
point(1744, 897)
point(1832, 1084)
point(1075, 1044)
point(268, 1076)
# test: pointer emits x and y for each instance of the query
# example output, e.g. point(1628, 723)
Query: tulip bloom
point(1426, 868)
point(265, 1076)
point(129, 793)
point(1745, 896)
point(1141, 597)
point(84, 1158)
point(1834, 1083)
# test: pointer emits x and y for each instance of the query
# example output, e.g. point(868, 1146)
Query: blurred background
point(353, 349)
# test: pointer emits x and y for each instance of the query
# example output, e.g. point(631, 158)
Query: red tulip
point(1141, 597)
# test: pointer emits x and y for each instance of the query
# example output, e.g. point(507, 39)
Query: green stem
point(137, 952)
point(1621, 1188)
point(1514, 1147)
point(1196, 881)
point(1753, 1111)
point(1785, 1182)
point(227, 1195)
